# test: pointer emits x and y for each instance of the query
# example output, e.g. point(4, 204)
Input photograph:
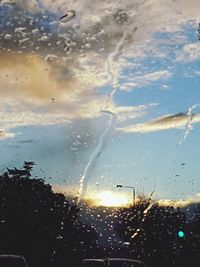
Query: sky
point(108, 96)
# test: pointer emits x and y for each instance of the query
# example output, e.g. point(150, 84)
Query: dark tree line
point(160, 235)
point(39, 224)
point(46, 229)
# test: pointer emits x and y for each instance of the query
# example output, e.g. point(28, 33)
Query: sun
point(111, 199)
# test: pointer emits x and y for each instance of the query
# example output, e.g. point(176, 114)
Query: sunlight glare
point(111, 199)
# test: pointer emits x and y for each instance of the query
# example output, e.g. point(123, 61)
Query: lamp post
point(133, 188)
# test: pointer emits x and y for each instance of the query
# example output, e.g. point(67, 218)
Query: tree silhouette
point(39, 224)
point(154, 234)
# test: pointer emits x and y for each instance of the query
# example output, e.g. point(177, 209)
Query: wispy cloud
point(146, 79)
point(162, 123)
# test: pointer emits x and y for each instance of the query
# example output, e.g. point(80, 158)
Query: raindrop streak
point(145, 213)
point(105, 109)
point(93, 160)
point(189, 126)
point(68, 16)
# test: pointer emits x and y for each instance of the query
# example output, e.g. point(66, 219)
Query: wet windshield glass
point(99, 130)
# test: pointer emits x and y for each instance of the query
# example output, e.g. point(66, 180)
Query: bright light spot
point(181, 234)
point(111, 199)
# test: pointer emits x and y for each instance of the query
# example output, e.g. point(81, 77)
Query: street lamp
point(123, 186)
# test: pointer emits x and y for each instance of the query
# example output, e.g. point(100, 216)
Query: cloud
point(52, 72)
point(33, 80)
point(6, 135)
point(38, 92)
point(127, 113)
point(182, 203)
point(13, 114)
point(19, 117)
point(146, 79)
point(154, 76)
point(33, 90)
point(33, 93)
point(94, 28)
point(162, 123)
point(189, 53)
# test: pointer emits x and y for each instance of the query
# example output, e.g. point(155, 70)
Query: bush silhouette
point(154, 235)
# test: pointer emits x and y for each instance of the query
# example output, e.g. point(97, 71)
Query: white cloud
point(189, 53)
point(146, 79)
point(157, 75)
point(126, 113)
